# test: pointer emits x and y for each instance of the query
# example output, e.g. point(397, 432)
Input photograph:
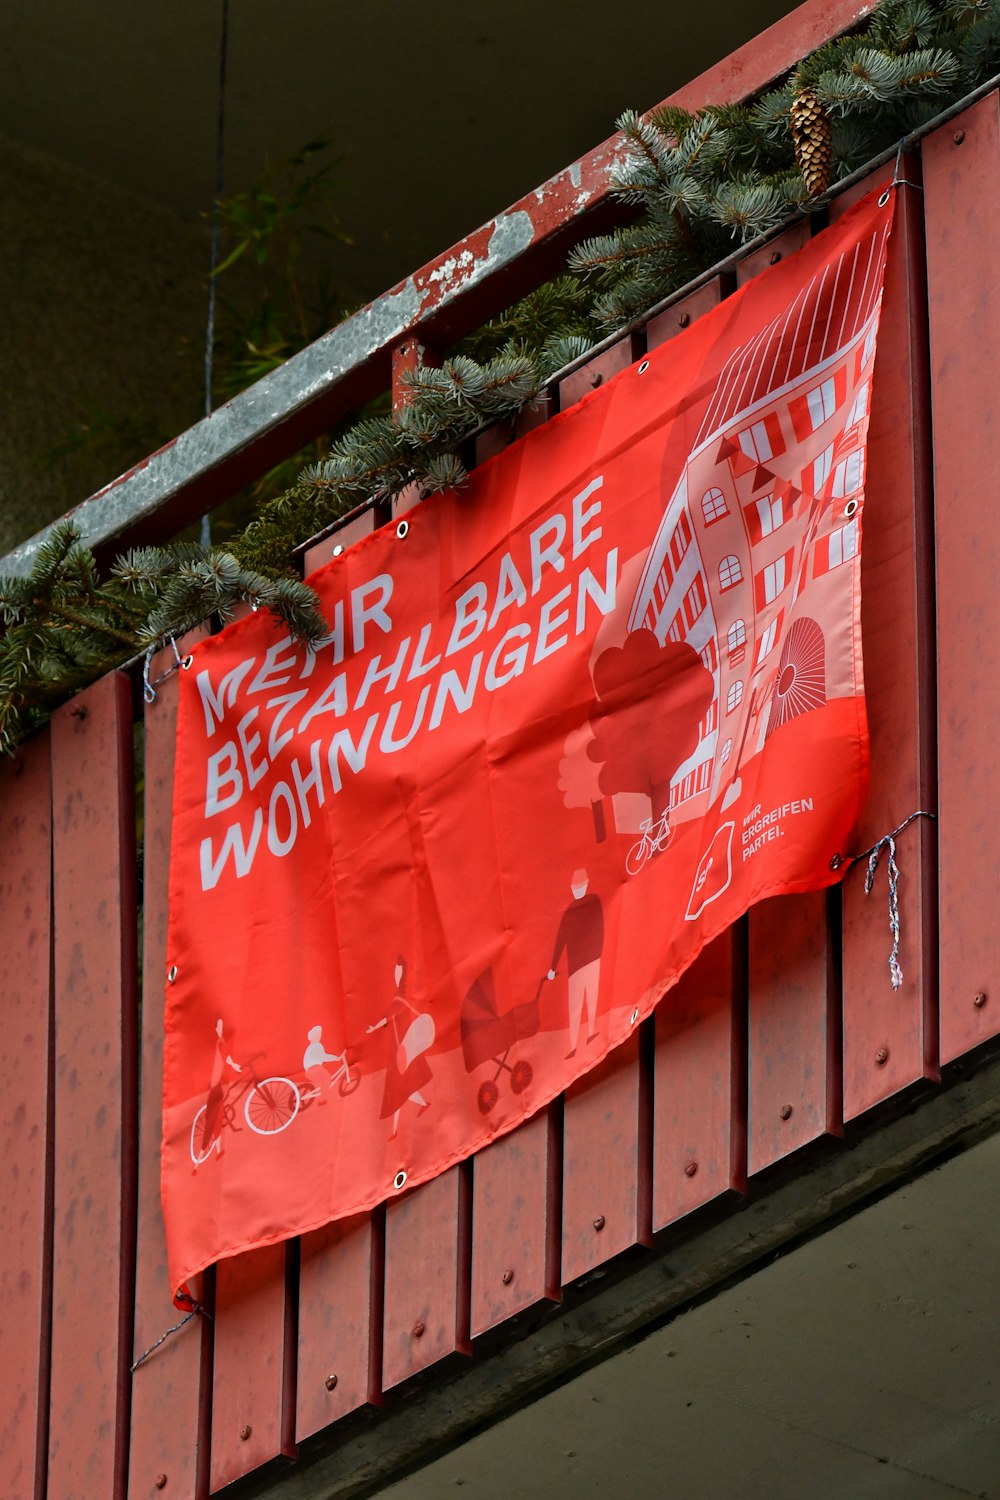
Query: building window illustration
point(843, 544)
point(822, 403)
point(847, 475)
point(710, 723)
point(676, 631)
point(860, 407)
point(762, 440)
point(710, 656)
point(769, 513)
point(734, 697)
point(713, 505)
point(774, 580)
point(695, 599)
point(736, 636)
point(767, 640)
point(730, 572)
point(681, 539)
point(727, 751)
point(821, 468)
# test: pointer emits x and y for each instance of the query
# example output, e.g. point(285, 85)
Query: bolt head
point(684, 320)
point(331, 1382)
point(958, 137)
point(599, 1223)
point(245, 1432)
point(882, 1056)
point(419, 1329)
point(775, 257)
point(507, 1277)
point(980, 1000)
point(596, 379)
point(691, 1169)
point(160, 1481)
point(785, 1111)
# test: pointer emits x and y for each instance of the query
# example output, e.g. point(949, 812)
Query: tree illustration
point(651, 700)
point(579, 777)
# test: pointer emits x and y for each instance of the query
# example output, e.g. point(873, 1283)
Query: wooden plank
point(699, 1088)
point(95, 1116)
point(778, 249)
point(607, 1167)
point(340, 1320)
point(167, 1396)
point(426, 1275)
point(794, 1092)
point(666, 325)
point(25, 1123)
point(890, 1037)
point(964, 305)
point(600, 369)
point(249, 1407)
point(346, 534)
point(515, 1221)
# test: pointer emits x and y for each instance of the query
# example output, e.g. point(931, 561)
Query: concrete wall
point(103, 309)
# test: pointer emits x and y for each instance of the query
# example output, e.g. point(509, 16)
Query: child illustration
point(409, 1035)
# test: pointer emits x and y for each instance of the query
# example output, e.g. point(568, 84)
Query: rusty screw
point(882, 1056)
point(785, 1111)
point(958, 137)
point(78, 711)
point(684, 320)
point(980, 1000)
point(775, 257)
point(507, 1277)
point(691, 1169)
point(331, 1382)
point(245, 1431)
point(419, 1329)
point(599, 1223)
point(160, 1481)
point(596, 379)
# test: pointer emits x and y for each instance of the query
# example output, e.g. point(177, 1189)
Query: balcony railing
point(784, 1036)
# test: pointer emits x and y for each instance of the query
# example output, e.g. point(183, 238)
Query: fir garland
point(700, 182)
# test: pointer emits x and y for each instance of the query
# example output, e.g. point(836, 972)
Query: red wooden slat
point(599, 369)
point(699, 1122)
point(340, 1315)
point(961, 163)
point(683, 313)
point(25, 1274)
point(426, 1276)
point(890, 1038)
point(606, 1163)
point(794, 1077)
point(248, 1416)
point(95, 1010)
point(351, 531)
point(515, 1224)
point(166, 1388)
point(500, 436)
point(780, 248)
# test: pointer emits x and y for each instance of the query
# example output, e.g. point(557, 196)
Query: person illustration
point(581, 938)
point(409, 1034)
point(221, 1060)
point(314, 1061)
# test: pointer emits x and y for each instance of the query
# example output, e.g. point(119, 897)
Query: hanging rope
point(220, 147)
point(888, 841)
point(196, 1308)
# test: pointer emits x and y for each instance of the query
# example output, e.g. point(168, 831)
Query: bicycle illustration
point(268, 1105)
point(653, 839)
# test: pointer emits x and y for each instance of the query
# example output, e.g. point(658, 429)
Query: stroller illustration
point(488, 1035)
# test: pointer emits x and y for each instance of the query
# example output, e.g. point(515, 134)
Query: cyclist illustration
point(409, 1035)
point(314, 1061)
point(581, 938)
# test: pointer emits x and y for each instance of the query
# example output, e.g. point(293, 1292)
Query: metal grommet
point(402, 529)
point(338, 549)
point(836, 862)
point(883, 198)
point(255, 605)
point(399, 1181)
point(634, 1016)
point(850, 507)
point(642, 367)
point(186, 662)
point(171, 973)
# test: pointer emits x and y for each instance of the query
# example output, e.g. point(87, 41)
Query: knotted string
point(888, 841)
point(196, 1308)
point(149, 685)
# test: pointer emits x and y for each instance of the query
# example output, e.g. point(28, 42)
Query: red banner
point(565, 728)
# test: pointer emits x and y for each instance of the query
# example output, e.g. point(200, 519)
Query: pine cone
point(812, 135)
